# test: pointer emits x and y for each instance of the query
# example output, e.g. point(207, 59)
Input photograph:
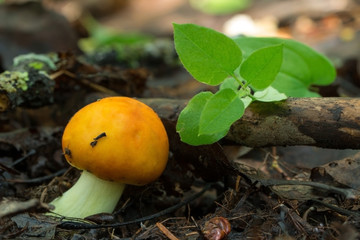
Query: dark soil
point(218, 191)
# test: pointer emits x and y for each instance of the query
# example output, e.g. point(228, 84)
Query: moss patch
point(12, 81)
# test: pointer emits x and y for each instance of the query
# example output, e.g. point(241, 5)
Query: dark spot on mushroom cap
point(93, 143)
point(67, 152)
point(101, 135)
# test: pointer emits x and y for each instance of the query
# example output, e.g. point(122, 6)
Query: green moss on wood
point(12, 81)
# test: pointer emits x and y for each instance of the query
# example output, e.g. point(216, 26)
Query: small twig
point(10, 168)
point(198, 228)
point(166, 231)
point(42, 200)
point(39, 179)
point(79, 225)
point(338, 209)
point(31, 152)
point(347, 193)
point(300, 224)
point(12, 207)
point(4, 168)
point(307, 212)
point(85, 82)
point(240, 203)
point(237, 189)
point(98, 87)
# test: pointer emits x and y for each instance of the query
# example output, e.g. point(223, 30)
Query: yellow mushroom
point(115, 141)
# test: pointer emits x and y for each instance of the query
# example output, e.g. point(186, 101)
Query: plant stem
point(238, 80)
point(243, 87)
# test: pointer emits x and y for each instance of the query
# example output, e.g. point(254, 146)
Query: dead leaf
point(35, 229)
point(342, 172)
point(298, 192)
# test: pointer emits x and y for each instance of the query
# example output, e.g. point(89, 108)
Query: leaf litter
point(250, 195)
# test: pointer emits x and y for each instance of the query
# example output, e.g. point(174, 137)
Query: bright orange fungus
point(117, 139)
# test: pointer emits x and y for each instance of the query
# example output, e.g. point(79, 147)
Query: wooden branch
point(322, 122)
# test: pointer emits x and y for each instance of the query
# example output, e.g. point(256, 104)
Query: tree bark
point(323, 122)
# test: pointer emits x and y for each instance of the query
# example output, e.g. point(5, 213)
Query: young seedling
point(115, 141)
point(247, 69)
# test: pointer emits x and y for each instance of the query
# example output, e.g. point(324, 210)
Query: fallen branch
point(323, 122)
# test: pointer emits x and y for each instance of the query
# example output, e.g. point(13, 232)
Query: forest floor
point(218, 191)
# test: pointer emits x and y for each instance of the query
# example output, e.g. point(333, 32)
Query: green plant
point(247, 69)
point(219, 7)
point(106, 38)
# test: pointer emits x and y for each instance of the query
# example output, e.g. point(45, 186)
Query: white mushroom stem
point(90, 195)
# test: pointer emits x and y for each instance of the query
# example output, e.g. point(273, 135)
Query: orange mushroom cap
point(117, 139)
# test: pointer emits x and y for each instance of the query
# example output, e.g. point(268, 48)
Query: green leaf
point(218, 7)
point(302, 66)
point(189, 119)
point(208, 55)
point(220, 111)
point(102, 37)
point(269, 94)
point(262, 66)
point(246, 101)
point(242, 94)
point(231, 83)
point(292, 87)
